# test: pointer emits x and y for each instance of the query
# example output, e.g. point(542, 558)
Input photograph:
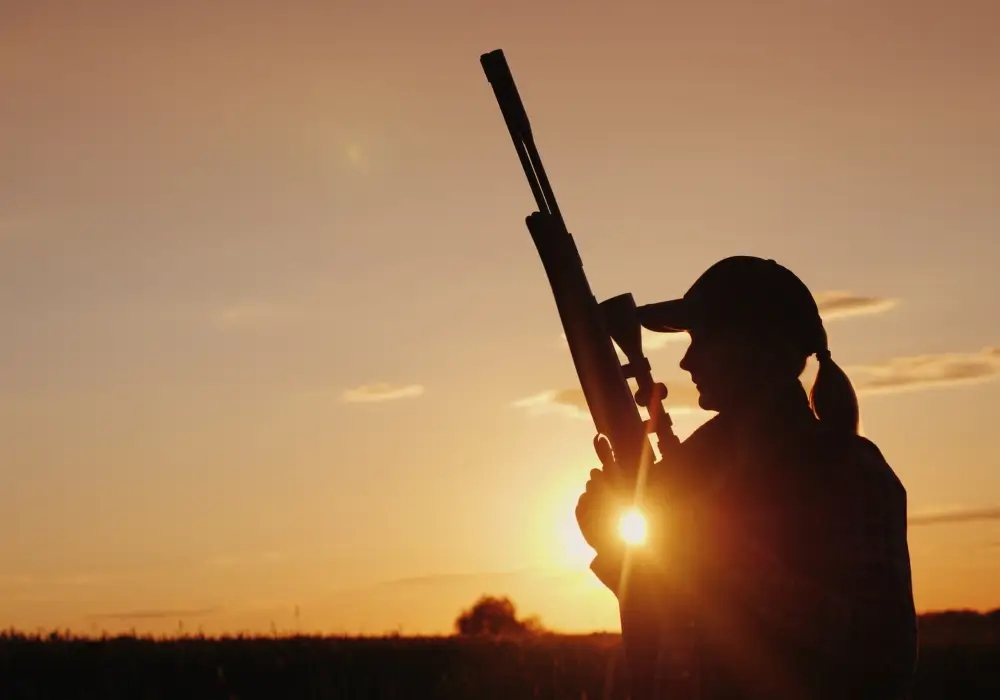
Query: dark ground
point(960, 658)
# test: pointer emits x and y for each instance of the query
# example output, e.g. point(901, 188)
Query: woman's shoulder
point(705, 436)
point(857, 463)
point(868, 459)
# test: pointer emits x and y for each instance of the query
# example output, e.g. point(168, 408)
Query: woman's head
point(753, 324)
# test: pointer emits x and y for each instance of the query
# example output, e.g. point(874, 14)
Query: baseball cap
point(743, 291)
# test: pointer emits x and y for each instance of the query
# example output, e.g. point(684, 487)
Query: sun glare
point(354, 154)
point(632, 527)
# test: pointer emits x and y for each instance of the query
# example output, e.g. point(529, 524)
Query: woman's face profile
point(729, 366)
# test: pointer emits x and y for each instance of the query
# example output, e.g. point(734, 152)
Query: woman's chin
point(706, 403)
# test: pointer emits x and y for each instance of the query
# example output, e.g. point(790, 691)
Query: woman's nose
point(685, 363)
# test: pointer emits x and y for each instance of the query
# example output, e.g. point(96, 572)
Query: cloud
point(957, 515)
point(836, 304)
point(71, 579)
point(655, 341)
point(382, 391)
point(511, 578)
point(832, 305)
point(650, 340)
point(440, 579)
point(893, 375)
point(228, 561)
point(682, 398)
point(251, 315)
point(153, 614)
point(926, 371)
point(569, 402)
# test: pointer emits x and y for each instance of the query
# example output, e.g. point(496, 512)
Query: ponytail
point(832, 398)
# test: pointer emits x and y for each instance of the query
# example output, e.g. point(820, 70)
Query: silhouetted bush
point(495, 617)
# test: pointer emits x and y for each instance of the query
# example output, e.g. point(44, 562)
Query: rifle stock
point(592, 329)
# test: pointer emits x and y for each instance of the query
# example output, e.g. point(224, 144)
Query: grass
point(238, 668)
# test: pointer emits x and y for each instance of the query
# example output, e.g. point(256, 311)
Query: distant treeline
point(960, 627)
point(941, 627)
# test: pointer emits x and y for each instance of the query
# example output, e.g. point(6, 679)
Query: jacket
point(777, 565)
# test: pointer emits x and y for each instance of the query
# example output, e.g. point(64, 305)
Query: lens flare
point(632, 527)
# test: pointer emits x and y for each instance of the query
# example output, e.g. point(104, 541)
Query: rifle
point(592, 329)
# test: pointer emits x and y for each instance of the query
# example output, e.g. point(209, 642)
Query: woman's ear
point(776, 356)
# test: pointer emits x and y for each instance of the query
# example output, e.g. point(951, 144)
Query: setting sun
point(632, 527)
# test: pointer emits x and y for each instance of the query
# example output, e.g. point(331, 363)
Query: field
point(957, 661)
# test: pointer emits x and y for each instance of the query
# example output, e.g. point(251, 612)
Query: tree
point(496, 617)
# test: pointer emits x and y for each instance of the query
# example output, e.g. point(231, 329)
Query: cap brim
point(672, 316)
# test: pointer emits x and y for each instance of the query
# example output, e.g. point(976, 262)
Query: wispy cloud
point(153, 614)
point(228, 561)
point(16, 580)
point(682, 398)
point(569, 402)
point(252, 315)
point(654, 341)
point(893, 375)
point(440, 579)
point(926, 371)
point(382, 391)
point(68, 580)
point(837, 304)
point(955, 515)
point(832, 305)
point(650, 340)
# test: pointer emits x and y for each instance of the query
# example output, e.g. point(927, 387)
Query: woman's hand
point(598, 511)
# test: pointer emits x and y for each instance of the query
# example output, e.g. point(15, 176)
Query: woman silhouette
point(775, 530)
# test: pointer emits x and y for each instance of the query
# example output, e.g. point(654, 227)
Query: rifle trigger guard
point(605, 453)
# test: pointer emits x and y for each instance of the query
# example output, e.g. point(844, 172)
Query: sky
point(278, 352)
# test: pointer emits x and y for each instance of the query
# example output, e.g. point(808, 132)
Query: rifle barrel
point(498, 73)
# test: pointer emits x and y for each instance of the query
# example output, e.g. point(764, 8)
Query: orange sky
point(223, 225)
